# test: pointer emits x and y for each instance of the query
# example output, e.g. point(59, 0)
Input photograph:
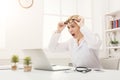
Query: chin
point(74, 37)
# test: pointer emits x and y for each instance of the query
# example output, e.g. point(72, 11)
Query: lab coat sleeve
point(92, 39)
point(55, 46)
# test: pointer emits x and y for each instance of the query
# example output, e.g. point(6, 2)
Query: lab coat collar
point(80, 42)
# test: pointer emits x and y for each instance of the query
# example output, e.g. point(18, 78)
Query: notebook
point(40, 61)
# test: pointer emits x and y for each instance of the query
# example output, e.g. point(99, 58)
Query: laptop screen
point(39, 59)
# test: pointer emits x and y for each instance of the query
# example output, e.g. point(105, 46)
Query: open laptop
point(40, 61)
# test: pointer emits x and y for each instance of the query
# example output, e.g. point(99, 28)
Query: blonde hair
point(78, 19)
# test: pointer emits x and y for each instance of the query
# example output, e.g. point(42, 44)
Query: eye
point(72, 26)
point(68, 27)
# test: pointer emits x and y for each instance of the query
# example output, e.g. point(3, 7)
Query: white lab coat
point(85, 54)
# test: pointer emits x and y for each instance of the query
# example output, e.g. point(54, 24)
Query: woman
point(83, 46)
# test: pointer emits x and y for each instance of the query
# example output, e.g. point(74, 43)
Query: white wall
point(114, 5)
point(99, 9)
point(20, 28)
point(23, 26)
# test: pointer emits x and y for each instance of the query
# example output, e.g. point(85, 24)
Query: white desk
point(59, 75)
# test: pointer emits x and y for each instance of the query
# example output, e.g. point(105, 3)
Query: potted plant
point(114, 42)
point(27, 64)
point(14, 60)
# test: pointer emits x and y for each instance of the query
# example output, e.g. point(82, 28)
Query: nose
point(70, 30)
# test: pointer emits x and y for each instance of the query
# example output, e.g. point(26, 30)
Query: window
point(60, 10)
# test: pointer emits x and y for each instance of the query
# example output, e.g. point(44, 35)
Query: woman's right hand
point(61, 26)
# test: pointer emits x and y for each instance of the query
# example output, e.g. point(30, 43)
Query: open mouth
point(73, 34)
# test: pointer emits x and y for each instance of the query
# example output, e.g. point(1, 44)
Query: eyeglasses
point(70, 21)
point(82, 69)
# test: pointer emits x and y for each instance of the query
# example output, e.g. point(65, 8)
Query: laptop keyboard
point(57, 67)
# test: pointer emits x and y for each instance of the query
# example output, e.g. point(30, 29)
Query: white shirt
point(85, 54)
